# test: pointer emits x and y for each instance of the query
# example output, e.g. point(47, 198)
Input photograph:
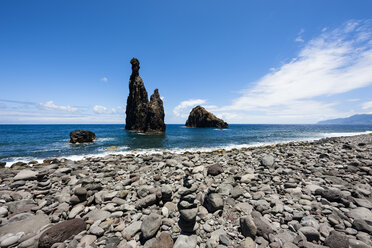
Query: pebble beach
point(298, 194)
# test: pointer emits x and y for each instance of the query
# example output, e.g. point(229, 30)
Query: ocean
point(37, 142)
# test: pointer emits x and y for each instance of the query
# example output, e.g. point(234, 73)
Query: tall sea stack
point(142, 115)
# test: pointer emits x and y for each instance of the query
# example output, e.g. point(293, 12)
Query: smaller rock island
point(82, 136)
point(200, 117)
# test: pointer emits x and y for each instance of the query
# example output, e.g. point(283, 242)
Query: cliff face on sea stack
point(200, 117)
point(142, 115)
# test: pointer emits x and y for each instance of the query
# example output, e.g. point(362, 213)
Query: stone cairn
point(187, 206)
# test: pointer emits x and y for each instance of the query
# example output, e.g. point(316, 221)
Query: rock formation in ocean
point(155, 114)
point(82, 136)
point(142, 115)
point(200, 117)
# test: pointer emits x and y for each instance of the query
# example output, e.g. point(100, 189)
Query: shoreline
point(150, 151)
point(298, 194)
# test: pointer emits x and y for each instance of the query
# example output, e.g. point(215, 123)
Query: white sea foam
point(105, 139)
point(329, 135)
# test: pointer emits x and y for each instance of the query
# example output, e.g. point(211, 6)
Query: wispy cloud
point(183, 109)
point(99, 109)
point(367, 105)
point(49, 105)
point(299, 36)
point(336, 62)
point(104, 79)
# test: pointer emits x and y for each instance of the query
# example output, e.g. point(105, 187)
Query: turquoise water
point(35, 142)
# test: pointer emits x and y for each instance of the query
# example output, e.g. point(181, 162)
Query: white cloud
point(104, 79)
point(367, 105)
point(98, 109)
point(183, 109)
point(299, 36)
point(51, 106)
point(336, 62)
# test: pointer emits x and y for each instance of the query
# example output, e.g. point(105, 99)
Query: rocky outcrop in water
point(155, 114)
point(142, 115)
point(200, 117)
point(82, 136)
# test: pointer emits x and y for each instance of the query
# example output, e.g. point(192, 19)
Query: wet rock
point(200, 117)
point(61, 232)
point(82, 136)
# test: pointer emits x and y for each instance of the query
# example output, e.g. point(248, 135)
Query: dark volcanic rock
point(137, 102)
point(82, 136)
point(199, 117)
point(142, 115)
point(155, 115)
point(215, 170)
point(61, 232)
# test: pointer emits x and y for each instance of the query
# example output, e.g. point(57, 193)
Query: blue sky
point(246, 61)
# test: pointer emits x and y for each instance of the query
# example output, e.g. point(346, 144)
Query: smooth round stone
point(96, 230)
point(117, 214)
point(189, 214)
point(207, 228)
point(3, 211)
point(80, 191)
point(11, 240)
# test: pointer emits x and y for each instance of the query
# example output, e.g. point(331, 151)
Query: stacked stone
point(213, 200)
point(43, 181)
point(187, 206)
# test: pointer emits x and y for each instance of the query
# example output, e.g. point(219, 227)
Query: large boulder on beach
point(200, 117)
point(142, 115)
point(61, 232)
point(82, 136)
